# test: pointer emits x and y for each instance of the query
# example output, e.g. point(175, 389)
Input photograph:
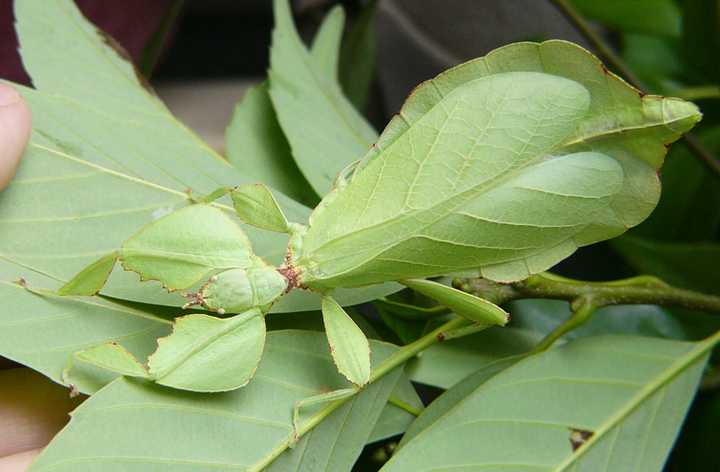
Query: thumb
point(14, 132)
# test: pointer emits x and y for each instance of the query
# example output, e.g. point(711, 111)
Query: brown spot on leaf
point(440, 337)
point(21, 282)
point(578, 437)
point(122, 52)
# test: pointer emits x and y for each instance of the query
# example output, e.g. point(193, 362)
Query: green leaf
point(255, 142)
point(395, 420)
point(688, 265)
point(445, 364)
point(325, 49)
point(255, 205)
point(112, 356)
point(43, 332)
point(208, 354)
point(105, 158)
point(348, 345)
point(357, 57)
point(605, 402)
point(92, 278)
point(257, 147)
point(462, 178)
point(542, 316)
point(334, 134)
point(240, 430)
point(656, 17)
point(456, 394)
point(462, 303)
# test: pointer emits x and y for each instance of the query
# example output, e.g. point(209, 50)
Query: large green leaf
point(255, 142)
point(657, 17)
point(133, 425)
point(456, 394)
point(257, 146)
point(325, 141)
point(608, 402)
point(445, 364)
point(506, 163)
point(44, 332)
point(106, 157)
point(325, 49)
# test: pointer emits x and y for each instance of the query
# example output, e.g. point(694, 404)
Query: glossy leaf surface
point(506, 163)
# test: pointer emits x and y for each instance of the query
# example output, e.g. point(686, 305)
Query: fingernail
point(8, 96)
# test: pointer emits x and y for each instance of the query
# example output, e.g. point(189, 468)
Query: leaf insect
point(502, 166)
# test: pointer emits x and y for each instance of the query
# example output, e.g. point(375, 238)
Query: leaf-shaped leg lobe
point(208, 354)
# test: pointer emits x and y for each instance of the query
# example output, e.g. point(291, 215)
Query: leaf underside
point(607, 402)
point(138, 426)
point(105, 158)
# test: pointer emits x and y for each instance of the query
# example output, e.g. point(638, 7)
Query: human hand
point(32, 409)
point(14, 132)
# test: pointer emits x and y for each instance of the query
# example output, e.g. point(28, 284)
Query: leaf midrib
point(668, 374)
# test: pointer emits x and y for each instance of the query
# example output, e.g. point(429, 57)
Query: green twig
point(584, 310)
point(643, 290)
point(397, 359)
point(410, 312)
point(701, 92)
point(403, 405)
point(608, 54)
point(586, 297)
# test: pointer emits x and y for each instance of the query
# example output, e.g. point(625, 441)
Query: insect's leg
point(326, 397)
point(92, 278)
point(210, 197)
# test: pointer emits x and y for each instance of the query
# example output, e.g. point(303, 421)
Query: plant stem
point(409, 351)
point(403, 405)
point(397, 359)
point(643, 290)
point(578, 317)
point(701, 92)
point(607, 53)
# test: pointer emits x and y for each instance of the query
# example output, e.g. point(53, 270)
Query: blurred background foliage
point(201, 56)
